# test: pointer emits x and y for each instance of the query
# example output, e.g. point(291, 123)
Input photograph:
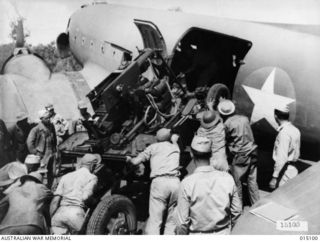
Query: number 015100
point(309, 237)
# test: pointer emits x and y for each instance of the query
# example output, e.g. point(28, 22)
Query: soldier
point(67, 208)
point(42, 142)
point(61, 125)
point(208, 200)
point(212, 127)
point(286, 149)
point(5, 144)
point(28, 210)
point(164, 162)
point(80, 124)
point(20, 135)
point(9, 174)
point(242, 149)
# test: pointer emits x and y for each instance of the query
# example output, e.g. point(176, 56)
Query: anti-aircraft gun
point(129, 107)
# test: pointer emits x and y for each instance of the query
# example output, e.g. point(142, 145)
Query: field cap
point(226, 107)
point(15, 170)
point(209, 119)
point(49, 107)
point(89, 159)
point(43, 114)
point(82, 104)
point(283, 108)
point(21, 116)
point(201, 144)
point(32, 159)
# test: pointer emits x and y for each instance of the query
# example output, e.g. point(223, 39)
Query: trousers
point(288, 172)
point(163, 200)
point(67, 219)
point(244, 169)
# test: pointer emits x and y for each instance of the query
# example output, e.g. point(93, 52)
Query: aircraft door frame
point(151, 36)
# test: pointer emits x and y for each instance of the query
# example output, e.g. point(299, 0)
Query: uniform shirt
point(216, 134)
point(27, 205)
point(239, 135)
point(76, 187)
point(42, 140)
point(164, 158)
point(208, 201)
point(286, 147)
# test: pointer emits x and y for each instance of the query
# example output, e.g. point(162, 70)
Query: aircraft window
point(102, 49)
point(91, 43)
point(83, 40)
point(75, 38)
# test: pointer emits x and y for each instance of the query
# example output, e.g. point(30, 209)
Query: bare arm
point(142, 157)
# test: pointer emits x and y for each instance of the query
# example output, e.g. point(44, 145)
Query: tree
point(47, 52)
point(50, 55)
point(18, 33)
point(6, 51)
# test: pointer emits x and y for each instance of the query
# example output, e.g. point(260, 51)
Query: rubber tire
point(216, 91)
point(102, 213)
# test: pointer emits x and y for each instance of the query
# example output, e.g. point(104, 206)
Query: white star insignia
point(265, 100)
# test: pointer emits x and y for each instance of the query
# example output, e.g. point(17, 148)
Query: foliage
point(48, 52)
point(51, 56)
point(6, 51)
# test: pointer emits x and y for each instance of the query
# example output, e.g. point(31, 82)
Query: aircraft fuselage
point(278, 62)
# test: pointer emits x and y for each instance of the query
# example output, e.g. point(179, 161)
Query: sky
point(46, 19)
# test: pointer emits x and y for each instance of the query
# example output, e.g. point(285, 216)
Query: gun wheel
point(115, 215)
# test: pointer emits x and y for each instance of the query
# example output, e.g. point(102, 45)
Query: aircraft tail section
point(11, 102)
point(20, 94)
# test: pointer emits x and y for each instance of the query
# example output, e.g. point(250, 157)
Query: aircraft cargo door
point(151, 36)
point(207, 58)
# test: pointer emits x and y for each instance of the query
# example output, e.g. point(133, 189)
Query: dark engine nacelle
point(63, 45)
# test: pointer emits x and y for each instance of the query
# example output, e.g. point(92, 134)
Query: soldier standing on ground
point(286, 149)
point(60, 124)
point(164, 159)
point(242, 149)
point(208, 200)
point(20, 135)
point(212, 127)
point(42, 142)
point(5, 144)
